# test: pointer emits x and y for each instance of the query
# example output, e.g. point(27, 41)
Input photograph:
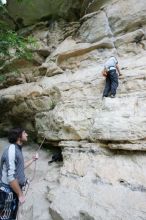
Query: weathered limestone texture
point(58, 95)
point(100, 184)
point(95, 27)
point(30, 12)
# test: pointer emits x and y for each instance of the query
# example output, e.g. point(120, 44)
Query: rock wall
point(29, 12)
point(59, 96)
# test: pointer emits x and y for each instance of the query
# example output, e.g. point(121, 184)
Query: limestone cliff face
point(29, 12)
point(59, 96)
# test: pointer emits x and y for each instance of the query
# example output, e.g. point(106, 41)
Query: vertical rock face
point(95, 28)
point(30, 12)
point(59, 96)
point(97, 183)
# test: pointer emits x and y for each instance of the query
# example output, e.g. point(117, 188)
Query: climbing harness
point(8, 202)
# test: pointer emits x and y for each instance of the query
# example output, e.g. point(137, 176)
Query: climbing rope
point(34, 172)
point(33, 177)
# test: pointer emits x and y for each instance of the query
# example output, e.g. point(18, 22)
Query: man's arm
point(16, 188)
point(118, 69)
point(29, 162)
point(104, 72)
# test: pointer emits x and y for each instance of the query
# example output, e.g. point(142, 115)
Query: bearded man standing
point(12, 176)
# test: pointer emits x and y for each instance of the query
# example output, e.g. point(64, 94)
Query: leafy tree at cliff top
point(12, 44)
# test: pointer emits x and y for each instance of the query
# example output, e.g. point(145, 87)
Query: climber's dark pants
point(111, 83)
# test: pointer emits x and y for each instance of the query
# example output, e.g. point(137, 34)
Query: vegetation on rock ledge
point(12, 44)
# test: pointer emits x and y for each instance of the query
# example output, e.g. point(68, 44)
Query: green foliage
point(15, 73)
point(12, 44)
point(2, 8)
point(2, 78)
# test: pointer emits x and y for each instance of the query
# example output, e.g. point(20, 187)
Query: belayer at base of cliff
point(12, 176)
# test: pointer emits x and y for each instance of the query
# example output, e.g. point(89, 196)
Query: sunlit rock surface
point(59, 96)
